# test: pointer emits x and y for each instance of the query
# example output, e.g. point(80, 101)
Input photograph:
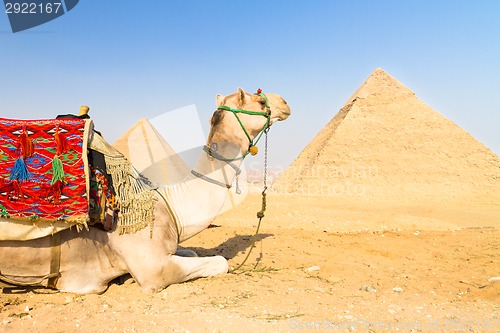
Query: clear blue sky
point(133, 59)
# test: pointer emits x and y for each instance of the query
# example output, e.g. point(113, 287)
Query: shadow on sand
point(12, 290)
point(231, 247)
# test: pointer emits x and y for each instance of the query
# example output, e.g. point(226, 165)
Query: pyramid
point(386, 145)
point(151, 155)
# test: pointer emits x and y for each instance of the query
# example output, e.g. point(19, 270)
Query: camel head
point(241, 117)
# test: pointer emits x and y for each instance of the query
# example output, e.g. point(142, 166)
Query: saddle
point(60, 173)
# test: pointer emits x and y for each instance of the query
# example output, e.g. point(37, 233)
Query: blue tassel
point(20, 171)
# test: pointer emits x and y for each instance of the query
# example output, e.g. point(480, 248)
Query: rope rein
point(260, 214)
point(210, 180)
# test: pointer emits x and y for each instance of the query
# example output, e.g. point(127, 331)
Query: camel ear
point(219, 100)
point(241, 97)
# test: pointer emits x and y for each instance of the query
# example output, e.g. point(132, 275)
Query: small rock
point(368, 288)
point(164, 294)
point(312, 269)
point(494, 278)
point(394, 309)
point(397, 289)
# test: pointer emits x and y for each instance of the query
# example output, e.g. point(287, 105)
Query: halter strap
point(212, 153)
point(218, 156)
point(266, 114)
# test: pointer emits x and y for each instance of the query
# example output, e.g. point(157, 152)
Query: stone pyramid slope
point(150, 154)
point(386, 145)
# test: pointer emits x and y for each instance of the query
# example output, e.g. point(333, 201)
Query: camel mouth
point(283, 115)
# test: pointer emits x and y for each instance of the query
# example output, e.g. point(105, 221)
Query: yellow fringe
point(135, 199)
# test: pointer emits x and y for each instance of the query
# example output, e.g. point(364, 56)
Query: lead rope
point(260, 214)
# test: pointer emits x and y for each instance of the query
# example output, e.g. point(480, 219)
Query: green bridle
point(266, 114)
point(213, 152)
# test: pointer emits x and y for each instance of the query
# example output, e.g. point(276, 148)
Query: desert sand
point(371, 269)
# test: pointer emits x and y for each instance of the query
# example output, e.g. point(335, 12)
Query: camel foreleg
point(177, 269)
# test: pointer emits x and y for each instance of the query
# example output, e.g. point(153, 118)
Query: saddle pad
point(43, 173)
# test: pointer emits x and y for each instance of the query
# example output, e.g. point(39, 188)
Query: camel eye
point(262, 101)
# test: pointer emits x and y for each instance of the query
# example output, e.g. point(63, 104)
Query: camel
point(91, 258)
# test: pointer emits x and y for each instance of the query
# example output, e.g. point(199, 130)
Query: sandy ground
point(319, 265)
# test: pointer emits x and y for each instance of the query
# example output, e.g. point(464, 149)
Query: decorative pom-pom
point(18, 191)
point(57, 170)
point(14, 192)
point(62, 144)
point(20, 171)
point(253, 150)
point(26, 144)
point(55, 191)
point(259, 91)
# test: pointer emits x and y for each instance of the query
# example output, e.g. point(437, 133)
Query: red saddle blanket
point(43, 173)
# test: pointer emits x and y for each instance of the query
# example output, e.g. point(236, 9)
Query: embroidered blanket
point(43, 170)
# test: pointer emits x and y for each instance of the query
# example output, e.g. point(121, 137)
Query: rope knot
point(260, 214)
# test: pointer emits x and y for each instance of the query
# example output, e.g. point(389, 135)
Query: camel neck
point(202, 195)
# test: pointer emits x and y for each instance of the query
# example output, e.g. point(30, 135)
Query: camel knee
point(186, 253)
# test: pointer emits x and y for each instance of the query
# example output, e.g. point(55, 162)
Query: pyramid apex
point(380, 84)
point(378, 70)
